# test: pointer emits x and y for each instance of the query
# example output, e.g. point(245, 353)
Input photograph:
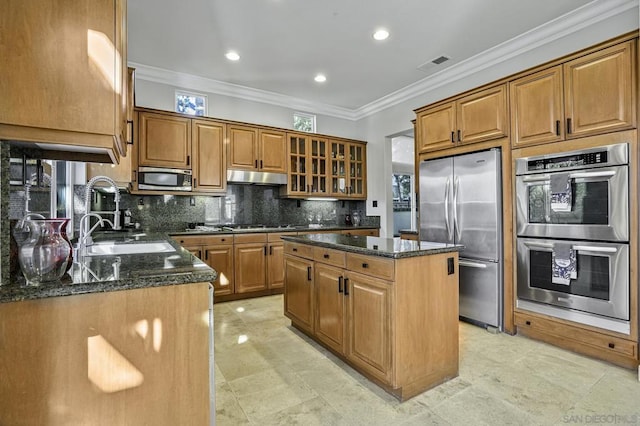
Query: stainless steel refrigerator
point(461, 202)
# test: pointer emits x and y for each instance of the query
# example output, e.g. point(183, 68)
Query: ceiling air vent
point(440, 60)
point(427, 66)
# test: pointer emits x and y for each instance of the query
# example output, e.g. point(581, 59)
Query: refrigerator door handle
point(472, 264)
point(456, 228)
point(446, 209)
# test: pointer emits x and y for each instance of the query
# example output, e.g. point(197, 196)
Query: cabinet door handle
point(340, 284)
point(195, 182)
point(308, 273)
point(270, 250)
point(568, 125)
point(458, 135)
point(265, 250)
point(326, 256)
point(134, 176)
point(557, 127)
point(256, 164)
point(365, 265)
point(261, 164)
point(206, 254)
point(188, 160)
point(130, 123)
point(346, 286)
point(453, 137)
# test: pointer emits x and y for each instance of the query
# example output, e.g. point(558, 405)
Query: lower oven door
point(601, 283)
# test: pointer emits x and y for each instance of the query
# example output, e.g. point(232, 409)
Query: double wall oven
point(572, 225)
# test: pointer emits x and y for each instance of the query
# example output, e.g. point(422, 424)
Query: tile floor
point(268, 373)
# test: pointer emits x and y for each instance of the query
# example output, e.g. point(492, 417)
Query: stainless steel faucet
point(84, 237)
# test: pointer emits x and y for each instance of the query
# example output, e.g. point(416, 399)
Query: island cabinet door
point(298, 292)
point(369, 324)
point(330, 306)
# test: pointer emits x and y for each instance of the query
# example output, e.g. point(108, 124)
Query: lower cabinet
point(220, 257)
point(400, 331)
point(250, 266)
point(114, 358)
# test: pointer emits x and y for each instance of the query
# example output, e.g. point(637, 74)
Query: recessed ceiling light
point(320, 78)
point(381, 34)
point(232, 56)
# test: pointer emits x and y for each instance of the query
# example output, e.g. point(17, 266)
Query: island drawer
point(329, 256)
point(250, 238)
point(300, 250)
point(371, 265)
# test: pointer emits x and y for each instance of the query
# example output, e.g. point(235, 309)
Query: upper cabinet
point(589, 95)
point(66, 86)
point(347, 172)
point(476, 117)
point(165, 141)
point(255, 149)
point(209, 156)
point(308, 160)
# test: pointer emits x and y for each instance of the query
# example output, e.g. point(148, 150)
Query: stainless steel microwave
point(161, 179)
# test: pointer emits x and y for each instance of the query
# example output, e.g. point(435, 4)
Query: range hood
point(256, 178)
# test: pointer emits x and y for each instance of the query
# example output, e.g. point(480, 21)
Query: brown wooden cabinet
point(476, 117)
point(372, 311)
point(589, 95)
point(110, 358)
point(347, 169)
point(308, 164)
point(369, 324)
point(299, 291)
point(66, 85)
point(165, 140)
point(253, 148)
point(250, 262)
point(275, 260)
point(209, 156)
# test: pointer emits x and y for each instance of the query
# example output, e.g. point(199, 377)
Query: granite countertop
point(395, 248)
point(96, 274)
point(272, 229)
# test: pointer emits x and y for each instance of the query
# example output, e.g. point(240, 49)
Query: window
point(304, 122)
point(401, 187)
point(191, 103)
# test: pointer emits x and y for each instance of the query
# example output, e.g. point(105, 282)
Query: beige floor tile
point(314, 412)
point(228, 411)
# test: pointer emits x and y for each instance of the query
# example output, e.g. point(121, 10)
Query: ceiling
point(283, 44)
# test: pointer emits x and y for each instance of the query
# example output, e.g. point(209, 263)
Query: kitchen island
point(120, 339)
point(387, 307)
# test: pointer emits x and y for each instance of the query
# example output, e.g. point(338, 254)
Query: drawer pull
point(223, 240)
point(294, 249)
point(612, 345)
point(365, 265)
point(528, 322)
point(326, 256)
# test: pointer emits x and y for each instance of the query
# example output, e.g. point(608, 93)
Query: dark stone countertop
point(272, 229)
point(97, 274)
point(395, 248)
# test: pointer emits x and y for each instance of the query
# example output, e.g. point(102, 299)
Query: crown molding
point(589, 14)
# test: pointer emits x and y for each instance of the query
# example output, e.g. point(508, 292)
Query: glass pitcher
point(355, 218)
point(46, 254)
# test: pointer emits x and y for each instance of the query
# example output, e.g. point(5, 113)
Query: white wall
point(162, 96)
point(377, 128)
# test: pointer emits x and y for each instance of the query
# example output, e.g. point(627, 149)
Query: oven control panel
point(568, 161)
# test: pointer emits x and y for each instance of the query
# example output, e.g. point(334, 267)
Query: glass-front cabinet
point(348, 169)
point(320, 167)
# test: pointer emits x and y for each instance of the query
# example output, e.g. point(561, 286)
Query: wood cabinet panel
point(104, 357)
point(329, 256)
point(165, 141)
point(599, 91)
point(220, 258)
point(299, 292)
point(243, 147)
point(209, 164)
point(361, 232)
point(437, 128)
point(67, 80)
point(483, 115)
point(369, 324)
point(371, 265)
point(272, 151)
point(537, 114)
point(250, 267)
point(275, 265)
point(330, 306)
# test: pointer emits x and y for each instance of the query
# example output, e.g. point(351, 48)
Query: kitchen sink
point(112, 248)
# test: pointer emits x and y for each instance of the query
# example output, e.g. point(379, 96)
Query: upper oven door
point(599, 206)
